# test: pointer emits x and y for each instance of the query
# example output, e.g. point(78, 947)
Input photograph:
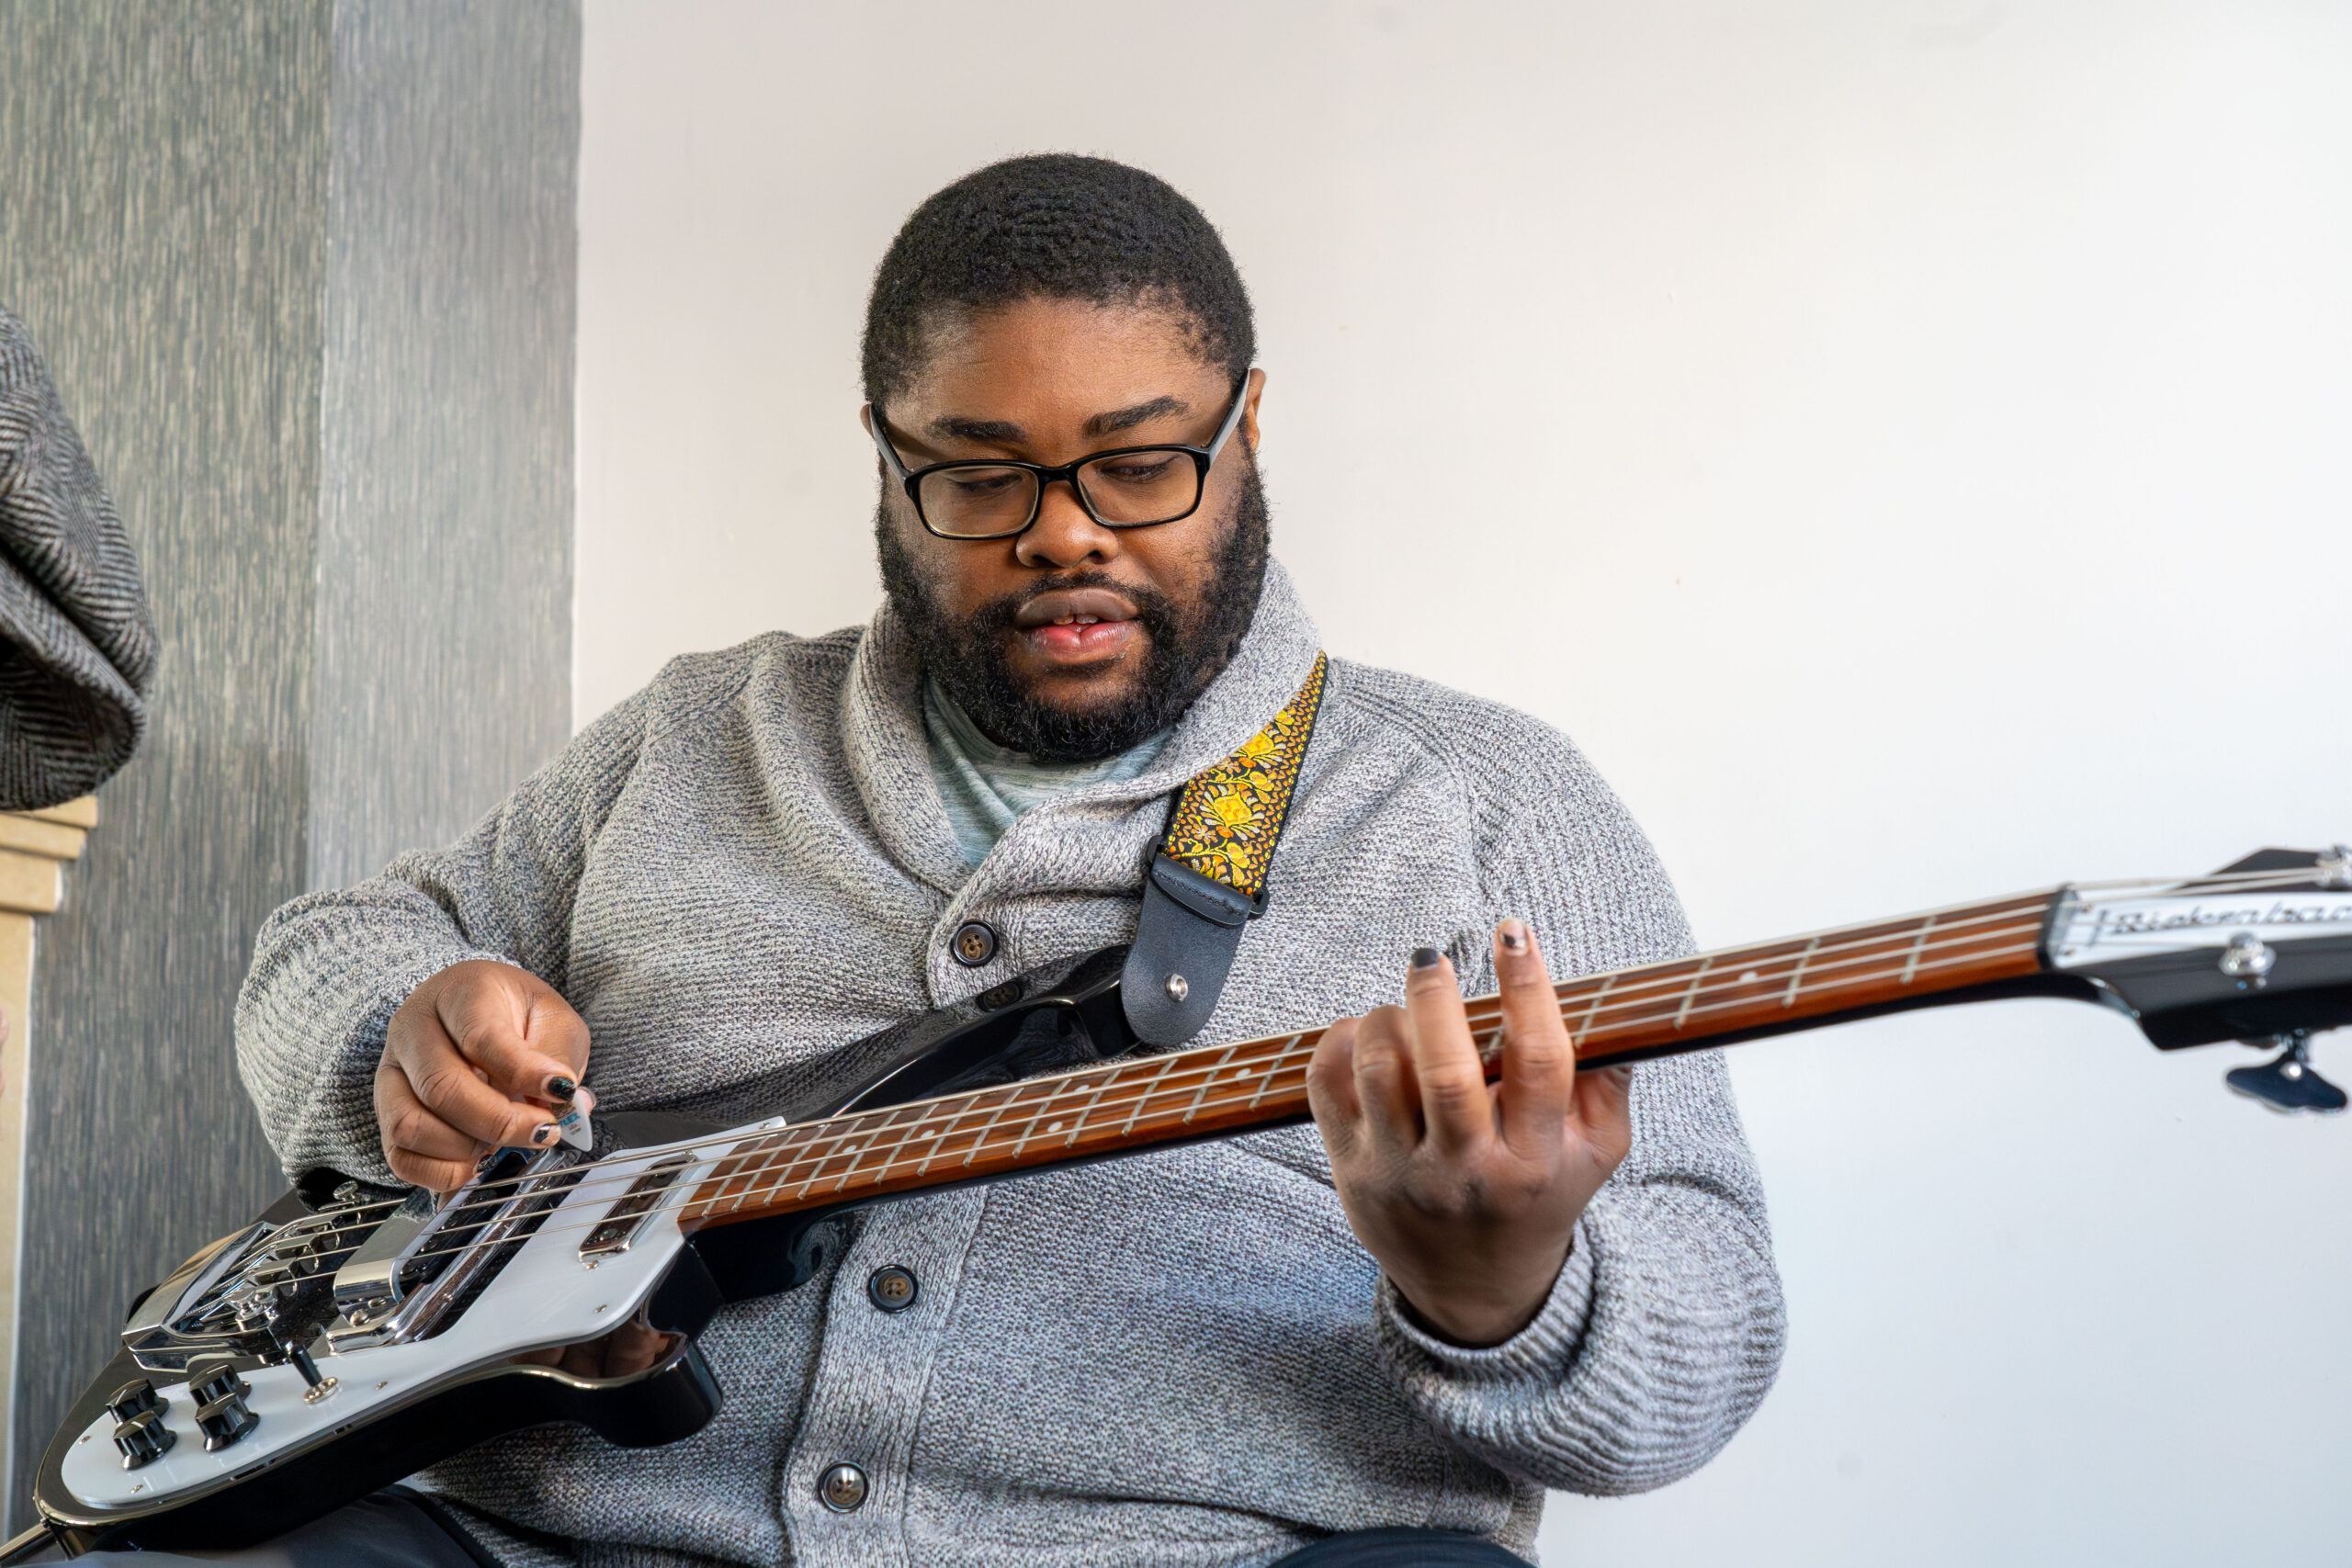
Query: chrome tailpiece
point(425, 1259)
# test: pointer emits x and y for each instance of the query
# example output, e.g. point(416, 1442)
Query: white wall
point(1905, 442)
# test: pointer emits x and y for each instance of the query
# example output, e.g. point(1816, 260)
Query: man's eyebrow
point(1128, 418)
point(980, 431)
point(1004, 433)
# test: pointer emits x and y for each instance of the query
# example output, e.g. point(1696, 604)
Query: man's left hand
point(1467, 1194)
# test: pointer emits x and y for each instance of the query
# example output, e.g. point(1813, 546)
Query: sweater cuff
point(348, 1136)
point(1541, 1351)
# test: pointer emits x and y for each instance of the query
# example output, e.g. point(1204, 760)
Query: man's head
point(1041, 310)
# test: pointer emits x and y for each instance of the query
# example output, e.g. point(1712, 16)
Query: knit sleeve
point(331, 968)
point(1664, 1330)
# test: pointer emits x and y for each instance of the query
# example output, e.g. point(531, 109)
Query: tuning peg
point(2288, 1083)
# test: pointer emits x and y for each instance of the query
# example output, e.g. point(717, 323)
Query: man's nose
point(1064, 536)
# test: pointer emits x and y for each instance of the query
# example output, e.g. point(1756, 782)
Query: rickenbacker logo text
point(2155, 918)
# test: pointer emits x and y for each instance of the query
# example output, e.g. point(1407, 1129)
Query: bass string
point(1624, 991)
point(839, 1141)
point(821, 1141)
point(993, 1139)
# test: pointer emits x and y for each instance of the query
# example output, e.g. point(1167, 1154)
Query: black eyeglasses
point(1127, 487)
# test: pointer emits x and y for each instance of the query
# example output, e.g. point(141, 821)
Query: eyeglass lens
point(1133, 489)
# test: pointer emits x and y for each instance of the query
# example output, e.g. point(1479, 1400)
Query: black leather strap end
point(1185, 938)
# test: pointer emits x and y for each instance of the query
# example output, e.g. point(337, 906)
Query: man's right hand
point(472, 1061)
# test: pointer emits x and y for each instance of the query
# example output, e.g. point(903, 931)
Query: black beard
point(1187, 650)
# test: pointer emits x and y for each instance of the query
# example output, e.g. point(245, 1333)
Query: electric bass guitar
point(353, 1333)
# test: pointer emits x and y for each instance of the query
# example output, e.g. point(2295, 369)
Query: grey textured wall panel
point(162, 232)
point(444, 558)
point(304, 271)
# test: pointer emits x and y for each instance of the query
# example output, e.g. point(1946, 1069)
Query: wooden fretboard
point(1624, 1015)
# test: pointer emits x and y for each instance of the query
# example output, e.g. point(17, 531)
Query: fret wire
point(1079, 1122)
point(1209, 1078)
point(1696, 976)
point(941, 1141)
point(1160, 1078)
point(1279, 1063)
point(1585, 1029)
point(815, 1150)
point(846, 1147)
point(1145, 1097)
point(1796, 975)
point(1912, 963)
point(893, 1120)
point(980, 1142)
point(751, 1173)
point(1037, 1114)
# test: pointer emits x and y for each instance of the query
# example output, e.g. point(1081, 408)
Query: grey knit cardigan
point(1179, 1359)
point(78, 647)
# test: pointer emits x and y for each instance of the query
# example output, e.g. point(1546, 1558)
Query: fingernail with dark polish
point(1514, 936)
point(543, 1133)
point(1426, 957)
point(562, 1088)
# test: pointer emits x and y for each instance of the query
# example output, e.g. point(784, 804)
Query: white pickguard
point(544, 1297)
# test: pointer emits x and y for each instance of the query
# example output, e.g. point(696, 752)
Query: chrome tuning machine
point(2287, 1082)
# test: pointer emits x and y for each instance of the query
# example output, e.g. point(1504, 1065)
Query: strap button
point(892, 1289)
point(973, 944)
point(842, 1489)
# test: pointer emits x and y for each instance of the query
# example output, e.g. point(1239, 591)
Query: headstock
point(2259, 952)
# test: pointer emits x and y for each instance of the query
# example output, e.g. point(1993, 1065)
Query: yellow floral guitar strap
point(1208, 880)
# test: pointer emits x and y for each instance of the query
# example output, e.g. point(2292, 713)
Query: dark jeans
point(401, 1529)
point(394, 1528)
point(1401, 1549)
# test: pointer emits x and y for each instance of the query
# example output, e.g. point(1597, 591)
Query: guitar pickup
point(612, 1235)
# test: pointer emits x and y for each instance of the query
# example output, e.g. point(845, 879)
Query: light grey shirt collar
point(987, 787)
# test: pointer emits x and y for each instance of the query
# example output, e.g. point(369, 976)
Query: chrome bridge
point(372, 1266)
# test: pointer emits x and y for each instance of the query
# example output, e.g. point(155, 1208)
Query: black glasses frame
point(1203, 459)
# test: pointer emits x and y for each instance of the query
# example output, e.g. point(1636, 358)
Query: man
point(1415, 1317)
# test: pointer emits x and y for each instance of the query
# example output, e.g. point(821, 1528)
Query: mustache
point(1159, 614)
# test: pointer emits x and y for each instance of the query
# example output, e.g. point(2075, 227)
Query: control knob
point(221, 1413)
point(134, 1399)
point(144, 1438)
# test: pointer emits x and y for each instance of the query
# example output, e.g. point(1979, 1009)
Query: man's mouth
point(1077, 625)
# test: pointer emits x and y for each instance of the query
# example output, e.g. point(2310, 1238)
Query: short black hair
point(1055, 226)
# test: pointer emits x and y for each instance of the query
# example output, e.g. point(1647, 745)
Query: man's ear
point(1251, 393)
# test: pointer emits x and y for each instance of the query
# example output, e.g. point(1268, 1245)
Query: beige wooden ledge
point(34, 848)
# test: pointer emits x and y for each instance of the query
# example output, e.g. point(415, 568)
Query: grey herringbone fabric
point(1178, 1359)
point(76, 644)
